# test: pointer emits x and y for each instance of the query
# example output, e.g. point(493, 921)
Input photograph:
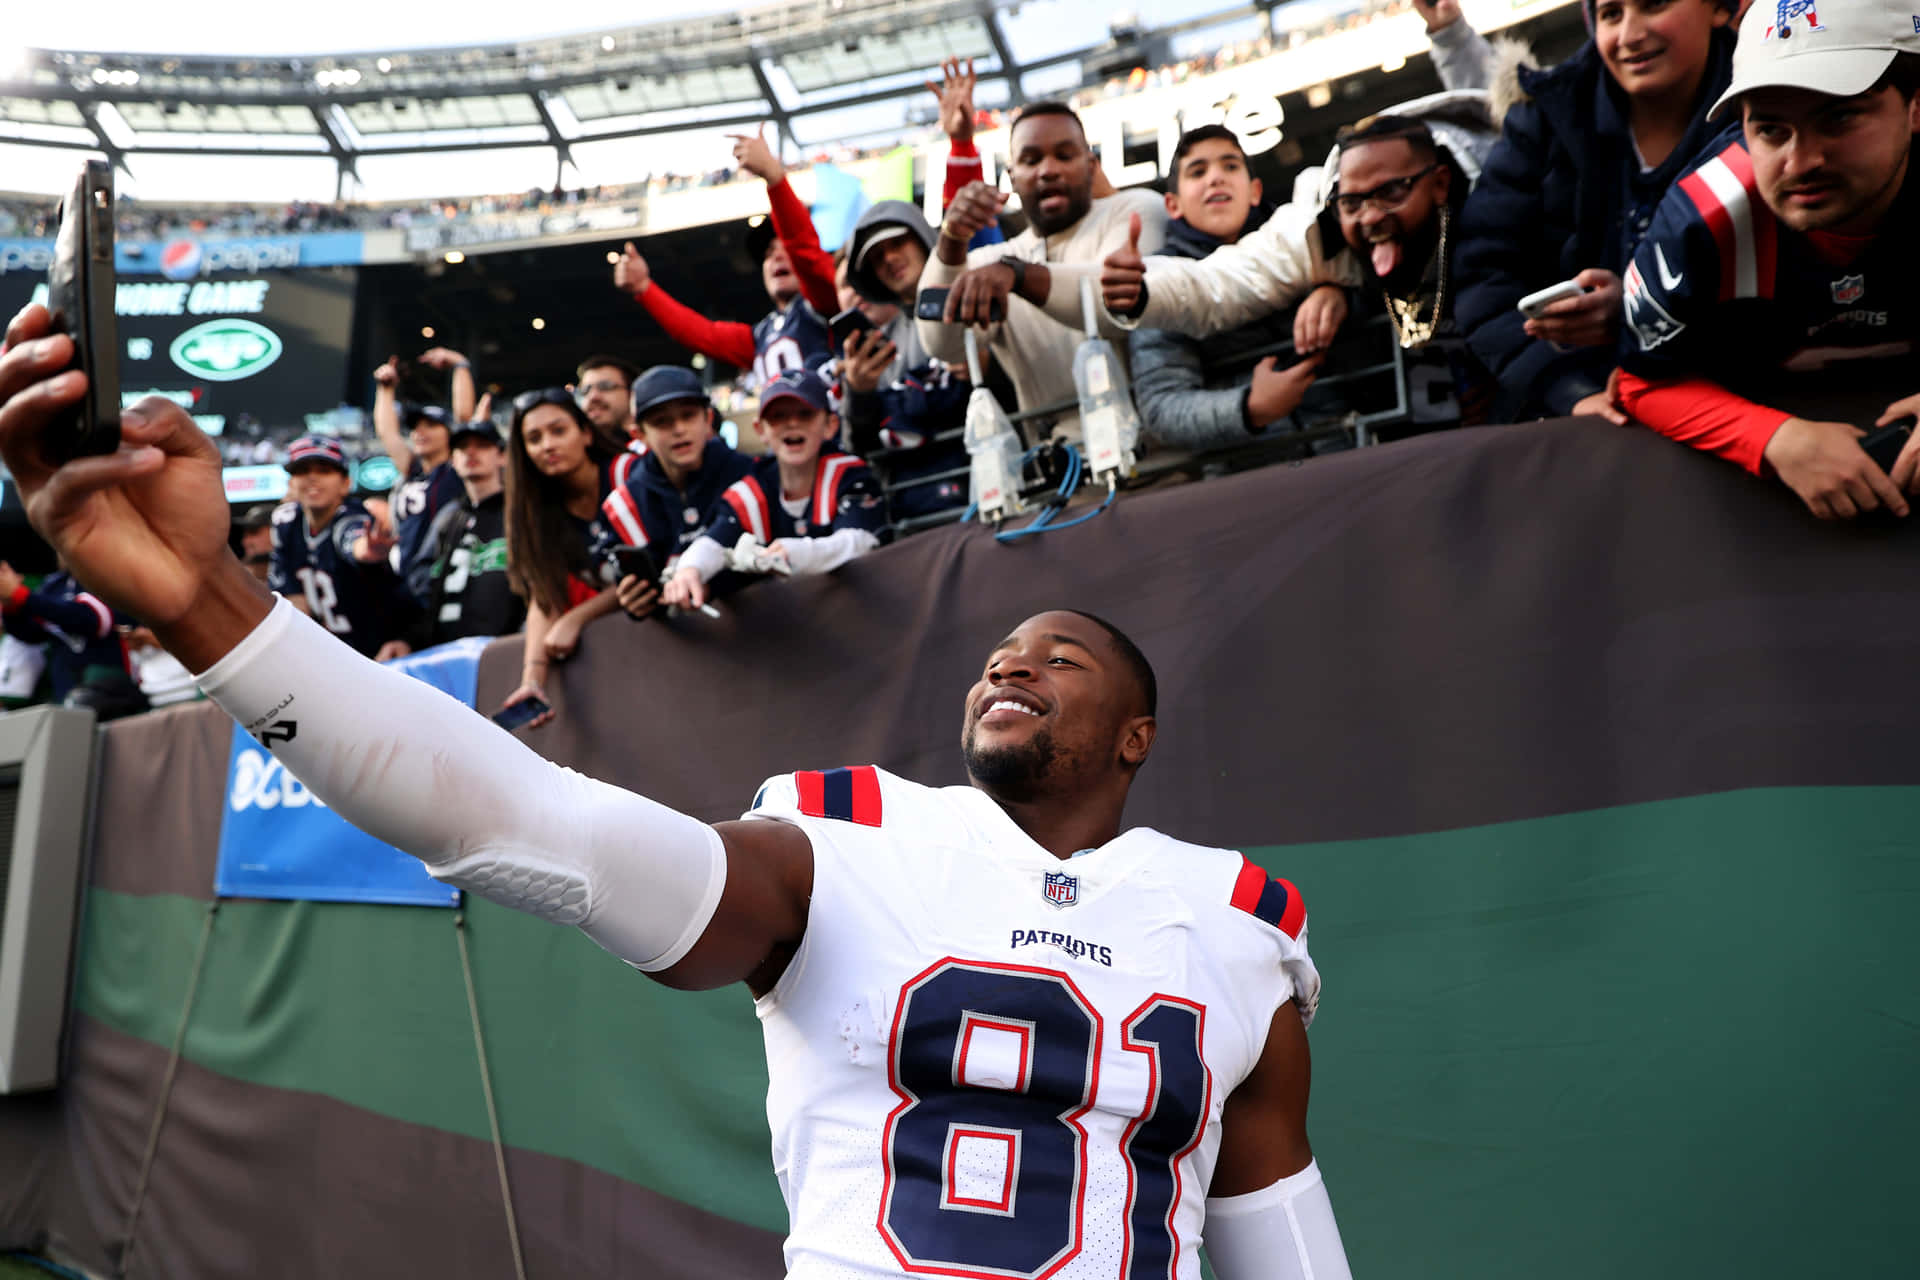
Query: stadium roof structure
point(629, 82)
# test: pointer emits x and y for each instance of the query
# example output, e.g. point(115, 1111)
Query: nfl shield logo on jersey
point(1849, 289)
point(1061, 889)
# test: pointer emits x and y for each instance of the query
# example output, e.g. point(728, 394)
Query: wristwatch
point(1019, 266)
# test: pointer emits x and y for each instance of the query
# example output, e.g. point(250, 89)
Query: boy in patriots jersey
point(330, 557)
point(1781, 271)
point(797, 272)
point(812, 507)
point(672, 494)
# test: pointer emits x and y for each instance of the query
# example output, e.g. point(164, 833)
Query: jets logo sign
point(226, 350)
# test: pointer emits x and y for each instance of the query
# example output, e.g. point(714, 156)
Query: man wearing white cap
point(1783, 268)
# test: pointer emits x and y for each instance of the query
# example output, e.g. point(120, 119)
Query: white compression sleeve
point(409, 765)
point(1282, 1232)
point(828, 552)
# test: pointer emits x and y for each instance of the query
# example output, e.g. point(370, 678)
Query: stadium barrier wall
point(1591, 756)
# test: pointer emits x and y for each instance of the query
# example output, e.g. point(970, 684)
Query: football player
point(330, 554)
point(1782, 269)
point(1004, 1036)
point(811, 506)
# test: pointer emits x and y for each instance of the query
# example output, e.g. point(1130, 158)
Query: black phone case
point(1884, 445)
point(80, 295)
point(636, 562)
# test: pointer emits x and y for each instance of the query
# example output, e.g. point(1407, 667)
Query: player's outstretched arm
point(145, 529)
point(1268, 1214)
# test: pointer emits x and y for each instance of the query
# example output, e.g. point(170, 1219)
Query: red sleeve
point(18, 598)
point(1705, 415)
point(721, 339)
point(963, 166)
point(814, 265)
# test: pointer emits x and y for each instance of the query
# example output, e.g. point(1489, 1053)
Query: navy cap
point(797, 384)
point(663, 384)
point(478, 429)
point(317, 449)
point(431, 412)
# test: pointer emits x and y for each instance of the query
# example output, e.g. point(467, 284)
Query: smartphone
point(636, 562)
point(849, 322)
point(1534, 304)
point(1884, 445)
point(932, 305)
point(80, 289)
point(521, 713)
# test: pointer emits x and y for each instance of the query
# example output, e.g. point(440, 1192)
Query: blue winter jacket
point(1561, 191)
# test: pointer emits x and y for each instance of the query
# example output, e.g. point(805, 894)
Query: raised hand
point(1440, 14)
point(974, 208)
point(145, 528)
point(1123, 275)
point(955, 92)
point(440, 358)
point(865, 360)
point(751, 152)
point(388, 374)
point(630, 273)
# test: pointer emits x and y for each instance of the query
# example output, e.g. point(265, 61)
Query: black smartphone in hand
point(1884, 445)
point(849, 322)
point(636, 562)
point(80, 291)
point(932, 305)
point(521, 713)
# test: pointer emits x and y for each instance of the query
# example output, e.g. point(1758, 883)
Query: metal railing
point(1385, 357)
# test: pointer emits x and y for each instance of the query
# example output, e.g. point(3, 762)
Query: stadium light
point(99, 75)
point(426, 331)
point(612, 257)
point(385, 65)
point(455, 257)
point(539, 323)
point(606, 43)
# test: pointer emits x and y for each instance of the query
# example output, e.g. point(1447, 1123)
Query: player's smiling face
point(1054, 702)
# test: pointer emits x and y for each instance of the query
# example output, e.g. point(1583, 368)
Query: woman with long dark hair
point(559, 470)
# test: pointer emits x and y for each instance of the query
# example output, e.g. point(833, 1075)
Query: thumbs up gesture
point(1123, 276)
point(630, 273)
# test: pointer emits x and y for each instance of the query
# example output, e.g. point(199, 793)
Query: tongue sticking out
point(1386, 256)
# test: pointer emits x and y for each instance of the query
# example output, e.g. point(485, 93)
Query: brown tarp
point(1514, 626)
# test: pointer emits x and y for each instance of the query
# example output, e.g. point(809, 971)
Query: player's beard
point(1014, 771)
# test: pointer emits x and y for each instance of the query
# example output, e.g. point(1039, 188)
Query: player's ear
point(1136, 740)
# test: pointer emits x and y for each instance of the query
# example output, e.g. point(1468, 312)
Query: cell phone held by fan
point(80, 291)
point(1884, 444)
point(844, 326)
point(932, 305)
point(636, 562)
point(1535, 305)
point(520, 714)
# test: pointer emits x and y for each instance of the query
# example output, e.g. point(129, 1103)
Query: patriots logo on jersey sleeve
point(1651, 323)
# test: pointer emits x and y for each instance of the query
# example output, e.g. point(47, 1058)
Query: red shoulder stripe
point(1271, 899)
point(845, 795)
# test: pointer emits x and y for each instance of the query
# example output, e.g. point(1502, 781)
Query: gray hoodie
point(901, 330)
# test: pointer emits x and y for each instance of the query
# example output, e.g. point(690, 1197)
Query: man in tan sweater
point(1034, 278)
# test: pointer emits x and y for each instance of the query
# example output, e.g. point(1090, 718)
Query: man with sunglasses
point(1380, 216)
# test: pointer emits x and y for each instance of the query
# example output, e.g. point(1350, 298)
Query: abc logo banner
point(279, 840)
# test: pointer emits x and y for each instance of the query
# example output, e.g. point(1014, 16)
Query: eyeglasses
point(546, 395)
point(1388, 195)
point(607, 385)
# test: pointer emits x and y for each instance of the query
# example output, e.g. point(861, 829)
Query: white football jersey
point(985, 1061)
